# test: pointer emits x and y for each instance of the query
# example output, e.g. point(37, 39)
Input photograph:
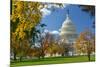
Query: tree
point(24, 17)
point(85, 43)
point(53, 46)
point(64, 47)
point(42, 39)
point(14, 47)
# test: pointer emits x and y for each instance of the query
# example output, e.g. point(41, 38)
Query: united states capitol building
point(68, 36)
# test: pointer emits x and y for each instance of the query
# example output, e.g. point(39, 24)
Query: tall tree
point(85, 43)
point(42, 39)
point(24, 17)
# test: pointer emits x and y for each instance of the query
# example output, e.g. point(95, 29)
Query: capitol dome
point(68, 30)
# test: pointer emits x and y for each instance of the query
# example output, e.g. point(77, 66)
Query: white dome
point(68, 27)
point(68, 30)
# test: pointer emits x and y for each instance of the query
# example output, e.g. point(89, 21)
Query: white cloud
point(57, 6)
point(54, 32)
point(46, 31)
point(45, 12)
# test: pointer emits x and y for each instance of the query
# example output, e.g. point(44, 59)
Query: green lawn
point(53, 60)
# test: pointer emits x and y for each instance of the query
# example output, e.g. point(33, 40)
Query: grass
point(53, 60)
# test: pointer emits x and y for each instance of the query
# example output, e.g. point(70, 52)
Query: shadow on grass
point(47, 59)
point(43, 59)
point(52, 60)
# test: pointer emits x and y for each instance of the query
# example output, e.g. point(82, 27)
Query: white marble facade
point(69, 35)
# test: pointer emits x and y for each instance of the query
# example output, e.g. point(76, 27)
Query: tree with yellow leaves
point(24, 17)
point(85, 43)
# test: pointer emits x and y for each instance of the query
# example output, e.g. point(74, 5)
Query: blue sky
point(54, 19)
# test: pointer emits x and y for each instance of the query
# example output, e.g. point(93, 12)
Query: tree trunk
point(42, 54)
point(14, 56)
point(39, 57)
point(89, 57)
point(20, 59)
point(62, 54)
point(51, 54)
